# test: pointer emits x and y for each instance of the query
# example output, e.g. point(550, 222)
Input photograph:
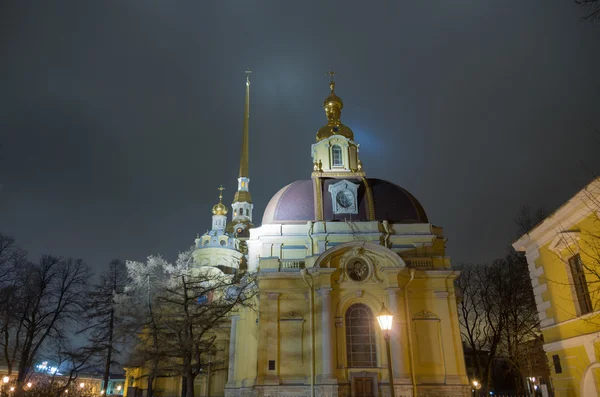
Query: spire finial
point(331, 73)
point(220, 189)
point(248, 76)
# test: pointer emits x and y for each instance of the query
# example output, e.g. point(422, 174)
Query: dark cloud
point(118, 120)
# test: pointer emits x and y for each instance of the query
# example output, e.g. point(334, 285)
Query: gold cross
point(221, 191)
point(331, 73)
point(248, 75)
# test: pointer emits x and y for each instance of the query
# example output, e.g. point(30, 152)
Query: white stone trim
point(540, 289)
point(562, 219)
point(588, 385)
point(587, 341)
point(563, 241)
point(546, 323)
point(584, 317)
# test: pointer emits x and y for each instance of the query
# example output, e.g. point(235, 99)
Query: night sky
point(119, 120)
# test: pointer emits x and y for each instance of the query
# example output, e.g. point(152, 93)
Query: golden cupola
point(335, 154)
point(333, 106)
point(219, 208)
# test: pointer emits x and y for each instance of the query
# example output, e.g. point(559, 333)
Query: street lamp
point(476, 386)
point(5, 379)
point(384, 318)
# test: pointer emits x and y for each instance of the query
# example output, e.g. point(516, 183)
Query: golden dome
point(219, 208)
point(333, 106)
point(332, 99)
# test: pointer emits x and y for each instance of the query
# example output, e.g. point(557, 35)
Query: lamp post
point(384, 318)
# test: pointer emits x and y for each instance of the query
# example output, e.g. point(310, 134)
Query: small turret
point(336, 153)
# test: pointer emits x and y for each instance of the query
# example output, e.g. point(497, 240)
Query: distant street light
point(384, 318)
point(5, 380)
point(81, 385)
point(29, 384)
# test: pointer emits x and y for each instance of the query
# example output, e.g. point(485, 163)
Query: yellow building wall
point(283, 333)
point(571, 336)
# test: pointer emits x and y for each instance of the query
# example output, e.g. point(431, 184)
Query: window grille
point(360, 337)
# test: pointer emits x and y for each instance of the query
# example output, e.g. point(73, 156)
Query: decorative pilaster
point(272, 369)
point(397, 345)
point(232, 341)
point(326, 342)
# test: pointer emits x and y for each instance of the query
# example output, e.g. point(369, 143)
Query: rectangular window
point(556, 362)
point(584, 301)
point(271, 365)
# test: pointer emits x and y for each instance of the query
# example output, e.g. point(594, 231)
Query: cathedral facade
point(331, 251)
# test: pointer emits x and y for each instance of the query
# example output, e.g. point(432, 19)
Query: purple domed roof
point(295, 203)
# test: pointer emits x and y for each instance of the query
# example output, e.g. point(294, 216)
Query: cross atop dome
point(219, 208)
point(333, 106)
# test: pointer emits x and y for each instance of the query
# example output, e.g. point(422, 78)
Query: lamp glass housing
point(384, 318)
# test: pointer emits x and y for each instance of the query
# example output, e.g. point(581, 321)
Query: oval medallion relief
point(357, 269)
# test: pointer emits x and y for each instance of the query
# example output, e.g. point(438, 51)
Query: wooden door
point(363, 387)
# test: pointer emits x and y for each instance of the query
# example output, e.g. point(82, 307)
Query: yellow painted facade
point(567, 293)
point(332, 250)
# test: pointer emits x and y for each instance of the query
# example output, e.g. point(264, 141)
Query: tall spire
point(244, 155)
point(242, 202)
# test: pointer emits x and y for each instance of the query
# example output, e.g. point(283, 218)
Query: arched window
point(336, 156)
point(360, 337)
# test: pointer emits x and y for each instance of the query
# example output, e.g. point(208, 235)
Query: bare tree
point(516, 307)
point(11, 256)
point(52, 297)
point(527, 219)
point(591, 7)
point(12, 259)
point(481, 317)
point(102, 323)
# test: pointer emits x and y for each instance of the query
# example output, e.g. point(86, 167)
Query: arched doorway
point(588, 385)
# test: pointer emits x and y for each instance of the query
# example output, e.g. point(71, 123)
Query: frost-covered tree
point(140, 313)
point(184, 304)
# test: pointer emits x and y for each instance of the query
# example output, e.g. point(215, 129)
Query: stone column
point(395, 339)
point(326, 345)
point(232, 341)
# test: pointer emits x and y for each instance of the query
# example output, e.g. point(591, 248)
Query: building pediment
point(564, 240)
